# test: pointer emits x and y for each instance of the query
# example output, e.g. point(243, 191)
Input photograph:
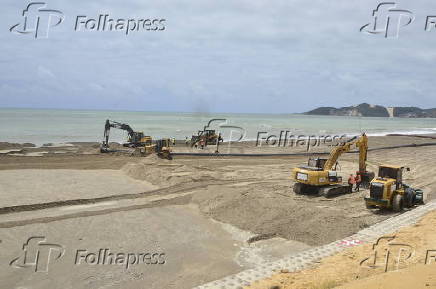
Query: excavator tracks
point(335, 190)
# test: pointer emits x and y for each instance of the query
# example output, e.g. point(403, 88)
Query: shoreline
point(47, 144)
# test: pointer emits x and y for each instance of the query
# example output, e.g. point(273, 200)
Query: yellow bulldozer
point(389, 191)
point(162, 147)
point(320, 176)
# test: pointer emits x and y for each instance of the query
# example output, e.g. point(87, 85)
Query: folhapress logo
point(388, 255)
point(388, 20)
point(38, 254)
point(38, 20)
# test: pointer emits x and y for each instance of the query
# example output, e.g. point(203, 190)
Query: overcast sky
point(273, 56)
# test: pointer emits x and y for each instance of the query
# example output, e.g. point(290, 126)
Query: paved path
point(305, 259)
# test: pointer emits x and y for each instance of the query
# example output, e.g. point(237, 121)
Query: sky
point(251, 56)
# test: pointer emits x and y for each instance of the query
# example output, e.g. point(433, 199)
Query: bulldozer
point(389, 191)
point(162, 147)
point(320, 175)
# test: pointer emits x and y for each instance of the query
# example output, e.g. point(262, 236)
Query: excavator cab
point(315, 164)
point(135, 137)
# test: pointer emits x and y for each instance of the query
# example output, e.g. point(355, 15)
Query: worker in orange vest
point(202, 143)
point(358, 180)
point(351, 182)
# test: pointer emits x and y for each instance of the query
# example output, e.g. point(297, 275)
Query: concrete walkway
point(309, 257)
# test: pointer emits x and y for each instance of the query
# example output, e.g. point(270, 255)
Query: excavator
point(320, 176)
point(134, 138)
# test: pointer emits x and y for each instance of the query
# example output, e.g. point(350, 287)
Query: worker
point(202, 143)
point(187, 141)
point(351, 182)
point(358, 180)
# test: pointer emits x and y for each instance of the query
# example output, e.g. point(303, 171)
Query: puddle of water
point(261, 252)
point(80, 207)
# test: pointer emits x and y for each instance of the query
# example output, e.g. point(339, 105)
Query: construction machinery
point(161, 147)
point(134, 138)
point(209, 136)
point(320, 176)
point(389, 191)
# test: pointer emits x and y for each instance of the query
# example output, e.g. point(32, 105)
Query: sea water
point(41, 126)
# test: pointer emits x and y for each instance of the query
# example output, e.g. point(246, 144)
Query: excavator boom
point(360, 142)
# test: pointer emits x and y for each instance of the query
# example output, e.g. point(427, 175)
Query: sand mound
point(274, 210)
point(165, 173)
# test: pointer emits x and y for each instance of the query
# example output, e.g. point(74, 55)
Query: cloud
point(238, 56)
point(44, 73)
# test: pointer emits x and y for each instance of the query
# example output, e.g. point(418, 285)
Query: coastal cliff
point(368, 110)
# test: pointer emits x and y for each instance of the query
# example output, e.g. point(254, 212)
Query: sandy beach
point(229, 213)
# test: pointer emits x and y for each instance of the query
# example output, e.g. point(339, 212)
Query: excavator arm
point(360, 142)
point(117, 125)
point(133, 137)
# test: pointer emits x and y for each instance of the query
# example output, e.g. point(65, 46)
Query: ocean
point(40, 126)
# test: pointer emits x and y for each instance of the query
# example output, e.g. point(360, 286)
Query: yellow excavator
point(320, 176)
point(134, 138)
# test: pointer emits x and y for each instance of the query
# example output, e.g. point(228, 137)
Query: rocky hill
point(368, 110)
